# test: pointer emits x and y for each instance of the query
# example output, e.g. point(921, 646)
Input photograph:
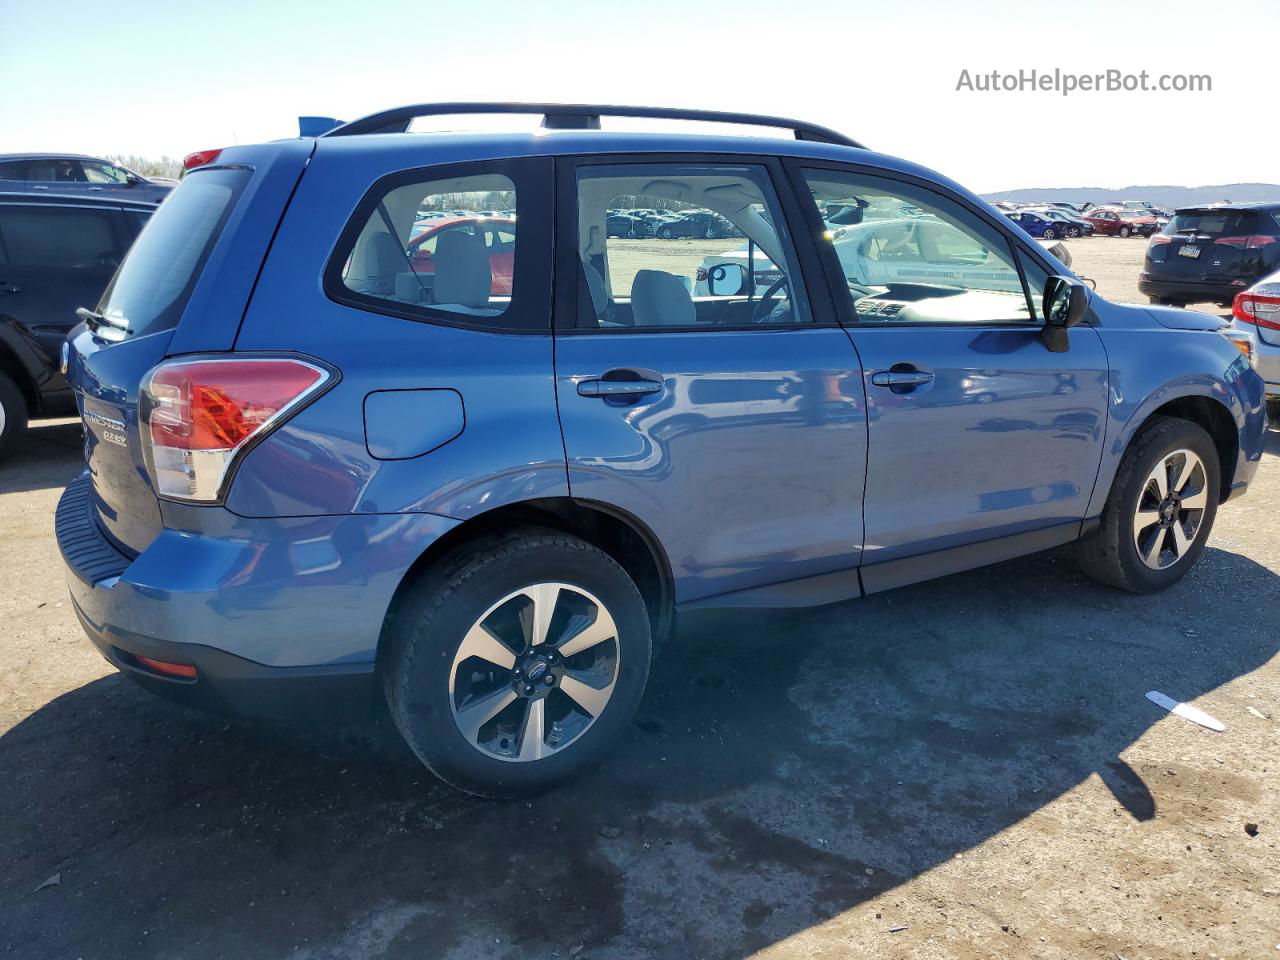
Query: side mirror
point(726, 280)
point(1066, 300)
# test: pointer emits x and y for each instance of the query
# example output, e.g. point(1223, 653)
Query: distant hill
point(1160, 195)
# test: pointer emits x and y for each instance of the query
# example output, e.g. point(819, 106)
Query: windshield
point(153, 284)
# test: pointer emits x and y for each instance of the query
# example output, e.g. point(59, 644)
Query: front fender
point(1141, 385)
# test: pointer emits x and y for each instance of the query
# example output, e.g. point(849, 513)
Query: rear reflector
point(198, 416)
point(182, 671)
point(200, 158)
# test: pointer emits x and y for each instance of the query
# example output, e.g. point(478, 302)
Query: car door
point(982, 442)
point(58, 257)
point(731, 427)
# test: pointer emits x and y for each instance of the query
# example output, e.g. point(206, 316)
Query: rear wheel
point(665, 233)
point(13, 416)
point(1161, 508)
point(517, 663)
point(1273, 412)
point(1073, 231)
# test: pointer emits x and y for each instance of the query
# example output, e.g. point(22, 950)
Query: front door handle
point(901, 378)
point(6, 287)
point(618, 388)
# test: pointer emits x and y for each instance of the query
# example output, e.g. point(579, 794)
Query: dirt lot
point(971, 760)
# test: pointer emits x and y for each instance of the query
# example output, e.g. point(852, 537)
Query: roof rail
point(580, 116)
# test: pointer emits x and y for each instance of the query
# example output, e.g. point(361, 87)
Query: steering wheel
point(765, 307)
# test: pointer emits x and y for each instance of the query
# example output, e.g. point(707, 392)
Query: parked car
point(1067, 224)
point(751, 262)
point(71, 174)
point(1116, 222)
point(56, 253)
point(310, 479)
point(1212, 253)
point(1257, 311)
point(496, 234)
point(1038, 224)
point(628, 225)
point(697, 224)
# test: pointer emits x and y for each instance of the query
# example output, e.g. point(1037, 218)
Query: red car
point(499, 236)
point(1114, 222)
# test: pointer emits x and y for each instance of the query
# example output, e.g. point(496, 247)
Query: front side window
point(97, 172)
point(922, 258)
point(704, 246)
point(65, 238)
point(434, 245)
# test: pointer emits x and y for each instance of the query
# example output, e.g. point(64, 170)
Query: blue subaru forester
point(380, 409)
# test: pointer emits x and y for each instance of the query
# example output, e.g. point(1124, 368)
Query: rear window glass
point(1214, 223)
point(153, 284)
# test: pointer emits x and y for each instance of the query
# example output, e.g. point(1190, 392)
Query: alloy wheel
point(1170, 509)
point(534, 672)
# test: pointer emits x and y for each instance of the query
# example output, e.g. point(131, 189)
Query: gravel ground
point(961, 769)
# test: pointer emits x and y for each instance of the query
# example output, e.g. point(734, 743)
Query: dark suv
point(56, 254)
point(74, 174)
point(316, 470)
point(1212, 253)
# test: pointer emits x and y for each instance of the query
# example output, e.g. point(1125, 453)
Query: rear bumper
point(232, 685)
point(1192, 292)
point(274, 614)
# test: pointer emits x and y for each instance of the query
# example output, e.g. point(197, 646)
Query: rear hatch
point(1211, 245)
point(183, 287)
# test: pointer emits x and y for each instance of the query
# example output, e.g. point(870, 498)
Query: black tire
point(664, 233)
point(13, 416)
point(1124, 231)
point(1109, 554)
point(1273, 412)
point(427, 631)
point(1049, 234)
point(1073, 232)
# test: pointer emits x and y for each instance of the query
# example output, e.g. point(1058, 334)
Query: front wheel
point(518, 662)
point(1049, 234)
point(1273, 412)
point(1161, 508)
point(1124, 231)
point(665, 233)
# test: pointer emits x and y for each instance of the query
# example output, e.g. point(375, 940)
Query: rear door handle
point(901, 378)
point(6, 287)
point(618, 388)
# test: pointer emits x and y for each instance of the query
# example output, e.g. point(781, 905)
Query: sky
point(156, 79)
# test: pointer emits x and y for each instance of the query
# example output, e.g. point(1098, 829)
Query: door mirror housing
point(726, 279)
point(1066, 301)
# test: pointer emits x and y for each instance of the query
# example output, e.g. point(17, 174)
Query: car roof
point(1263, 205)
point(74, 200)
point(386, 152)
point(48, 156)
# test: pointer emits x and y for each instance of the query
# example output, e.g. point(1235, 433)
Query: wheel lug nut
point(550, 680)
point(528, 688)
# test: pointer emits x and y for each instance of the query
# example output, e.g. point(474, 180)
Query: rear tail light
point(1159, 238)
point(1255, 242)
point(1257, 309)
point(200, 158)
point(199, 416)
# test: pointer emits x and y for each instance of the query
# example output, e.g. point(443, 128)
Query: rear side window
point(152, 286)
point(13, 170)
point(64, 238)
point(464, 245)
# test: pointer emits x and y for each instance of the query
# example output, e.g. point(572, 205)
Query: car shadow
point(50, 455)
point(784, 768)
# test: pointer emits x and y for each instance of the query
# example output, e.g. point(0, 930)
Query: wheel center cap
point(537, 670)
point(1168, 510)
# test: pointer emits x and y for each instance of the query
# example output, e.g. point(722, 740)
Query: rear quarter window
point(154, 283)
